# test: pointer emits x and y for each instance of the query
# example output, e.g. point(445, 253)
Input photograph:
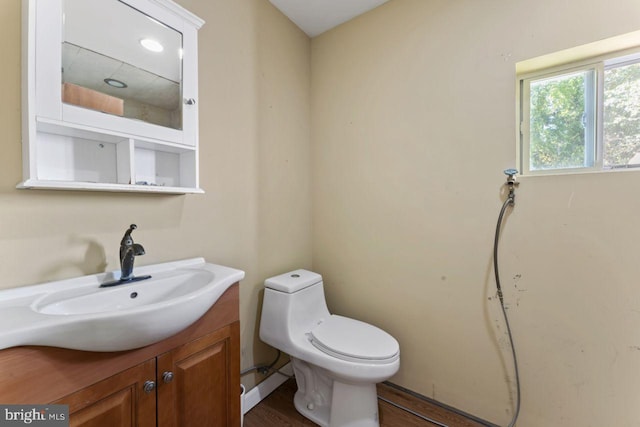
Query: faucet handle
point(127, 239)
point(511, 174)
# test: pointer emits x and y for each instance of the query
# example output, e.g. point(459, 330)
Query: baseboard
point(265, 388)
point(419, 396)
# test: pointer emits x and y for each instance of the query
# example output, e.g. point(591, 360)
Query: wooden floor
point(277, 410)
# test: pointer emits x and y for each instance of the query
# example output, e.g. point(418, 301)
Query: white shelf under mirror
point(79, 158)
point(82, 133)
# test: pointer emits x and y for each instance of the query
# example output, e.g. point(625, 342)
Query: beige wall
point(413, 123)
point(254, 162)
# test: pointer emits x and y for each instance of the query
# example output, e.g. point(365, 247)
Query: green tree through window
point(621, 120)
point(583, 116)
point(557, 131)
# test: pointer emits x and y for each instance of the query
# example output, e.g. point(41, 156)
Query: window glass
point(560, 121)
point(621, 118)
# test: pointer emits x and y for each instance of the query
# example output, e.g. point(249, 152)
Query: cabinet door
point(118, 401)
point(198, 383)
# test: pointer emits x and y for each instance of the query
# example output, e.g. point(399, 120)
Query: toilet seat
point(354, 341)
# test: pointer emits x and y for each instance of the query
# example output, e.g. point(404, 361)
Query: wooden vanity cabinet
point(194, 384)
point(189, 379)
point(117, 401)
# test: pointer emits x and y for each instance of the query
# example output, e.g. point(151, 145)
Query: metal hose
point(507, 203)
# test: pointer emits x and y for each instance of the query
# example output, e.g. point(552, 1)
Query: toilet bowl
point(337, 361)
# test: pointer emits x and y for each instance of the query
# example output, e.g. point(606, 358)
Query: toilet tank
point(293, 304)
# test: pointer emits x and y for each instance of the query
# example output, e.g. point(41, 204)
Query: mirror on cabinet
point(109, 96)
point(118, 60)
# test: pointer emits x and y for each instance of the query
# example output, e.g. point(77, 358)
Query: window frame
point(599, 64)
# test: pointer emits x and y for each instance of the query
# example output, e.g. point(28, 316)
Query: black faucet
point(128, 253)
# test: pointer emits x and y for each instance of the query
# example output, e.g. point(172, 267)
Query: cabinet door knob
point(190, 101)
point(149, 386)
point(167, 377)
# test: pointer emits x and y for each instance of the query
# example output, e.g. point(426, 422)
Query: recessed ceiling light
point(151, 45)
point(115, 83)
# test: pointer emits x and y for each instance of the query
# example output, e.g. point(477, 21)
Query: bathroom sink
point(163, 288)
point(78, 314)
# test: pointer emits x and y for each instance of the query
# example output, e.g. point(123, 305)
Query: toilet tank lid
point(293, 281)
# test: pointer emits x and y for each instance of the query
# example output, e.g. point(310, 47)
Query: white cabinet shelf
point(77, 147)
point(76, 157)
point(94, 186)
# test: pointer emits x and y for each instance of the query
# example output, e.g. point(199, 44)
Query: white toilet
point(337, 361)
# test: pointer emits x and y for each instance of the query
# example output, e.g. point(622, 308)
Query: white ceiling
point(314, 17)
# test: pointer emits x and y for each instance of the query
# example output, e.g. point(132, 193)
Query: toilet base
point(331, 403)
point(317, 414)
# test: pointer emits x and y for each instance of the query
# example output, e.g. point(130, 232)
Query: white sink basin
point(160, 288)
point(78, 314)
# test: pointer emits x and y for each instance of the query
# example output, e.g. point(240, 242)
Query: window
point(581, 117)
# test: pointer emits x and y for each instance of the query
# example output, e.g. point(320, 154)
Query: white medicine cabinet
point(110, 96)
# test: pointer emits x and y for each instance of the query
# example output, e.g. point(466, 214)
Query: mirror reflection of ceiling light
point(115, 83)
point(151, 45)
